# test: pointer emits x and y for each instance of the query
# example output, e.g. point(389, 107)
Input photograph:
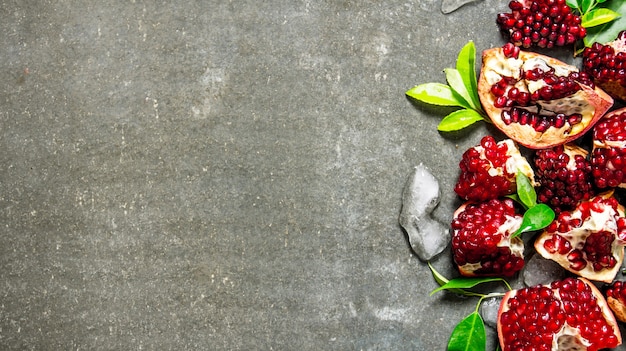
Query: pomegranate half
point(537, 100)
point(588, 241)
point(566, 315)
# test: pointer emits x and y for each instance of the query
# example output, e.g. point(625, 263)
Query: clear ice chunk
point(448, 6)
point(489, 311)
point(541, 271)
point(428, 236)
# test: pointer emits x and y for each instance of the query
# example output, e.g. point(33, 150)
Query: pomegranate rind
point(618, 308)
point(606, 275)
point(601, 302)
point(592, 102)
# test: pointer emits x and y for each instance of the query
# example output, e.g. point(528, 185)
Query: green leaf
point(608, 32)
point(465, 64)
point(535, 218)
point(440, 279)
point(572, 3)
point(525, 190)
point(453, 76)
point(469, 334)
point(465, 283)
point(599, 16)
point(585, 5)
point(459, 119)
point(436, 94)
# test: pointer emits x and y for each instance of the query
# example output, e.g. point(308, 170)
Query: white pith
point(572, 151)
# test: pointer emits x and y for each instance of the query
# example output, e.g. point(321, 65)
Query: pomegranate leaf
point(525, 190)
point(469, 334)
point(599, 16)
point(453, 76)
point(535, 218)
point(573, 4)
point(466, 283)
point(459, 119)
point(465, 64)
point(608, 32)
point(436, 94)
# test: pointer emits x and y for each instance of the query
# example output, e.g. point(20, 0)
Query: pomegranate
point(481, 239)
point(564, 176)
point(542, 23)
point(536, 100)
point(608, 157)
point(588, 241)
point(488, 170)
point(566, 315)
point(606, 65)
point(616, 298)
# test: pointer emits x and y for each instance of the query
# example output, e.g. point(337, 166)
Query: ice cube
point(539, 270)
point(448, 6)
point(428, 236)
point(489, 310)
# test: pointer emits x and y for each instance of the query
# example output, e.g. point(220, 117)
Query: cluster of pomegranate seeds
point(608, 158)
point(508, 96)
point(606, 64)
point(476, 182)
point(536, 317)
point(542, 23)
point(564, 177)
point(539, 122)
point(478, 238)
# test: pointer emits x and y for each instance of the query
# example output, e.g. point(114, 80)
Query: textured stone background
point(222, 175)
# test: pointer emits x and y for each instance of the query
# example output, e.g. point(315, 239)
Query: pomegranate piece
point(541, 23)
point(566, 315)
point(488, 170)
point(588, 241)
point(564, 176)
point(616, 298)
point(608, 157)
point(536, 100)
point(606, 65)
point(481, 239)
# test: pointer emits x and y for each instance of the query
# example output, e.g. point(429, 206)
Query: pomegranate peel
point(537, 100)
point(569, 314)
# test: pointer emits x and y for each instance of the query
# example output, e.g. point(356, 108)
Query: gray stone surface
point(222, 175)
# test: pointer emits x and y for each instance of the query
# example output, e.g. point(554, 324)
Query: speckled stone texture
point(223, 175)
